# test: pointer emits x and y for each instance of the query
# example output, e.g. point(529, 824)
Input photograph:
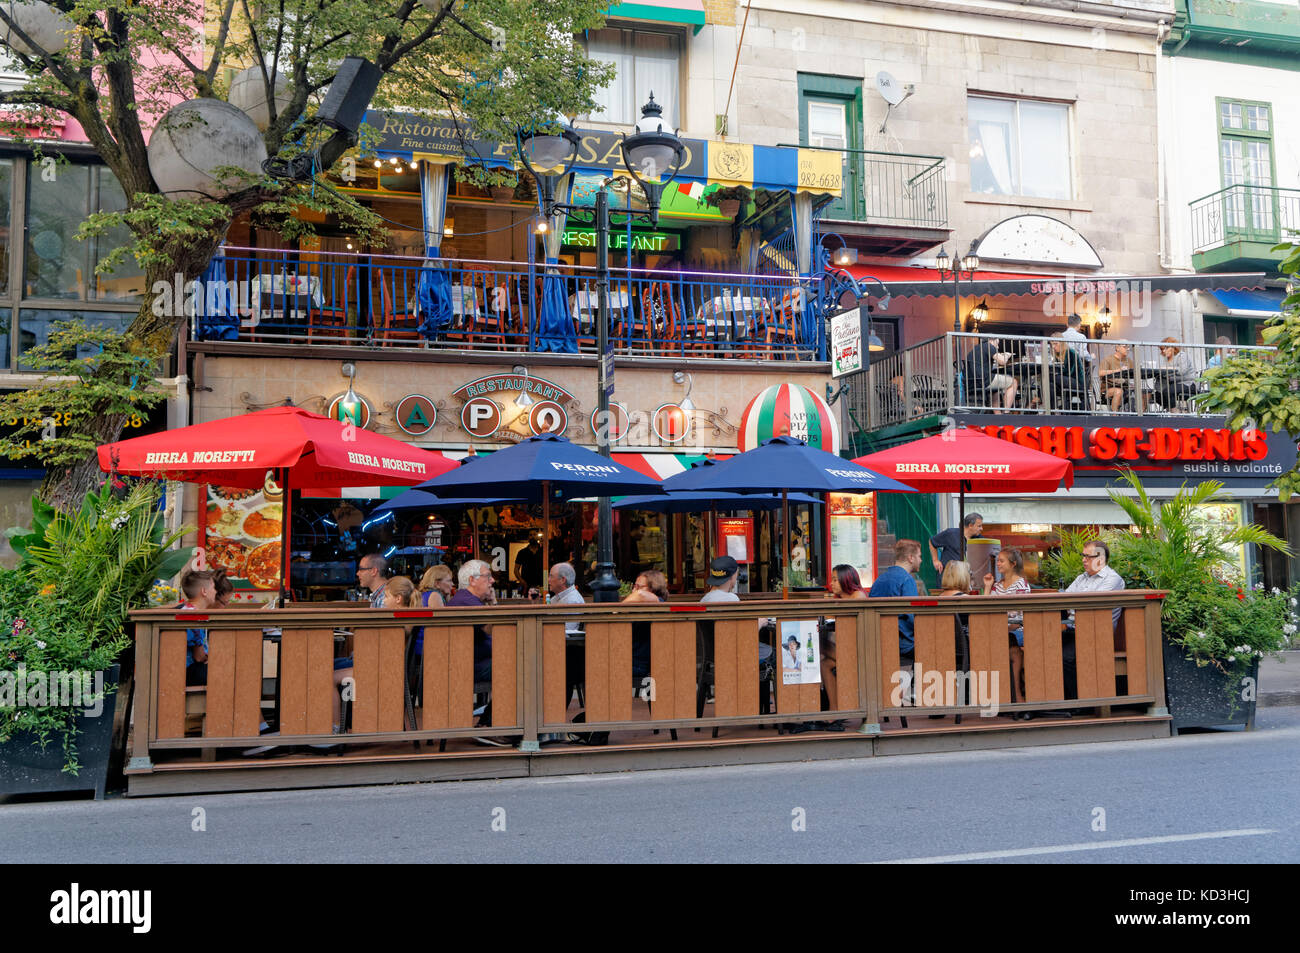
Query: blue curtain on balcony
point(555, 331)
point(214, 304)
point(434, 294)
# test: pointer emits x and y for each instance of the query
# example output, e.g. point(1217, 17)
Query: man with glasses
point(1096, 577)
point(475, 579)
point(372, 575)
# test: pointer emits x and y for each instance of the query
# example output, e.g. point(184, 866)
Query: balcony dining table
point(733, 318)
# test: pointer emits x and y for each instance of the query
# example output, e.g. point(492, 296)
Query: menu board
point(241, 534)
point(853, 532)
point(736, 538)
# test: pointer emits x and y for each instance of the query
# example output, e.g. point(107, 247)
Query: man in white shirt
point(1078, 340)
point(722, 580)
point(564, 593)
point(1097, 576)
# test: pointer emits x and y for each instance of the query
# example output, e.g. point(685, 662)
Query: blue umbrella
point(555, 330)
point(538, 466)
point(215, 307)
point(783, 464)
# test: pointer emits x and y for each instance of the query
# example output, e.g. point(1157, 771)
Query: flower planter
point(1199, 697)
point(729, 208)
point(27, 769)
point(503, 193)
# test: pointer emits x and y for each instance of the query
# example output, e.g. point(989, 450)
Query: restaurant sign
point(1161, 449)
point(512, 407)
point(641, 241)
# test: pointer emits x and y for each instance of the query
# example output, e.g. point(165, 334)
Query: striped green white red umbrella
point(789, 410)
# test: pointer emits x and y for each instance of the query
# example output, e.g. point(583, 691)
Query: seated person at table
point(982, 364)
point(1011, 566)
point(225, 589)
point(1116, 370)
point(1097, 576)
point(436, 586)
point(950, 544)
point(200, 594)
point(650, 586)
point(956, 579)
point(1069, 376)
point(372, 572)
point(475, 585)
point(722, 580)
point(897, 581)
point(1221, 353)
point(1078, 340)
point(845, 584)
point(1183, 383)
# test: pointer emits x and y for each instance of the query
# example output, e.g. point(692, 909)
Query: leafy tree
point(495, 65)
point(1262, 388)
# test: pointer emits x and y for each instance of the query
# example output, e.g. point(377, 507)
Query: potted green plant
point(63, 613)
point(728, 199)
point(499, 183)
point(1216, 627)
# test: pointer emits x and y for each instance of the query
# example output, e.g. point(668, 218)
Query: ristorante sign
point(1162, 449)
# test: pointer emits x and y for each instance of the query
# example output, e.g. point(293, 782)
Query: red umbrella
point(964, 460)
point(304, 449)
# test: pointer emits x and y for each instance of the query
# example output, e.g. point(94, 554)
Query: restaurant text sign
point(1161, 448)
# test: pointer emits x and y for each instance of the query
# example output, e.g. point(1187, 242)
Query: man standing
point(897, 581)
point(1078, 340)
point(722, 580)
point(951, 543)
point(528, 565)
point(372, 575)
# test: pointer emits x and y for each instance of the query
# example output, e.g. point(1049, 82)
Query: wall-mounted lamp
point(979, 314)
point(448, 228)
point(524, 399)
point(350, 400)
point(683, 377)
point(1102, 325)
point(845, 256)
point(542, 227)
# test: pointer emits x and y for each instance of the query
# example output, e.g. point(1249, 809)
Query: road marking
point(1069, 848)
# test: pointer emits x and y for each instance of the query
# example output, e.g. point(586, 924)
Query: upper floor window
point(1019, 147)
point(645, 62)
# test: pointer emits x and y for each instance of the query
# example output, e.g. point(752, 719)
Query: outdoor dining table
point(585, 306)
point(284, 297)
point(733, 318)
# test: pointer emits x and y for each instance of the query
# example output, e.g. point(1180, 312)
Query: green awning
point(688, 12)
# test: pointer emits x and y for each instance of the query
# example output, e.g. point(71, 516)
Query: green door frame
point(852, 203)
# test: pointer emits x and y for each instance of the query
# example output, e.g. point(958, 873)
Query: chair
point(782, 327)
point(334, 321)
point(660, 314)
point(395, 325)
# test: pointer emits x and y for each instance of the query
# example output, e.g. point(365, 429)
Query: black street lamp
point(648, 155)
point(968, 265)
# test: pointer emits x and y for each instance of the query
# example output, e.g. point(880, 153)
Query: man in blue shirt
point(897, 581)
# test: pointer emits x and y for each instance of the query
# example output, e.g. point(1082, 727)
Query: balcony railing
point(298, 298)
point(1252, 213)
point(891, 188)
point(1035, 375)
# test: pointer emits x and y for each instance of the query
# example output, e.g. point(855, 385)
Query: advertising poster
point(241, 534)
point(801, 662)
point(846, 343)
point(736, 538)
point(853, 532)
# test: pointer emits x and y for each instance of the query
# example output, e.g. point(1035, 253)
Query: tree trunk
point(65, 486)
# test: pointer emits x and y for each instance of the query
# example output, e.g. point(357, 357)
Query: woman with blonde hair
point(956, 579)
point(436, 586)
point(399, 593)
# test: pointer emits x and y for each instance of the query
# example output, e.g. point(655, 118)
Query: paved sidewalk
point(1279, 682)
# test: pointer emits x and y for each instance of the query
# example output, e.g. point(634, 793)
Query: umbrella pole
point(785, 532)
point(546, 537)
point(286, 530)
point(474, 528)
point(961, 515)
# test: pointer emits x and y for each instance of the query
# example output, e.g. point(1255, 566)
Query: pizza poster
point(241, 534)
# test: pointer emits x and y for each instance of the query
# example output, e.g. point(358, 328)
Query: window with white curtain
point(1019, 147)
point(645, 62)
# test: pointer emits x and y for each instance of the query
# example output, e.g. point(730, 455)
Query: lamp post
point(967, 266)
point(652, 156)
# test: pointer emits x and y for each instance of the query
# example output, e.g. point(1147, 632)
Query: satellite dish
point(889, 88)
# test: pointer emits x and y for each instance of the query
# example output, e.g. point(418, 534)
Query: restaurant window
point(645, 61)
point(60, 195)
point(34, 326)
point(1019, 147)
point(1246, 159)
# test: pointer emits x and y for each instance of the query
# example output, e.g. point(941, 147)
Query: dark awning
point(1098, 285)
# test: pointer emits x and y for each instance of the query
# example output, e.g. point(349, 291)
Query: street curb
point(1278, 699)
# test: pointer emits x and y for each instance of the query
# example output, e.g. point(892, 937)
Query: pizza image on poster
point(241, 534)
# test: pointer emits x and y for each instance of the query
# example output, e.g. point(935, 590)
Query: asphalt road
point(1204, 798)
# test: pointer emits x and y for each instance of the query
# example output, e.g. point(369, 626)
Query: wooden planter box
point(27, 769)
point(1199, 697)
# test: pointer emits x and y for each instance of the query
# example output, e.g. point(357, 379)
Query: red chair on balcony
point(333, 321)
point(782, 334)
point(395, 325)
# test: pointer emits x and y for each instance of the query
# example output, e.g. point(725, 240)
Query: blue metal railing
point(283, 296)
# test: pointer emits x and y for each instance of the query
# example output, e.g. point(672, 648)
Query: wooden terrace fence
point(254, 670)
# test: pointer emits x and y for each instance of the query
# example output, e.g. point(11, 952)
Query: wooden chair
point(395, 325)
point(781, 329)
point(661, 316)
point(333, 321)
